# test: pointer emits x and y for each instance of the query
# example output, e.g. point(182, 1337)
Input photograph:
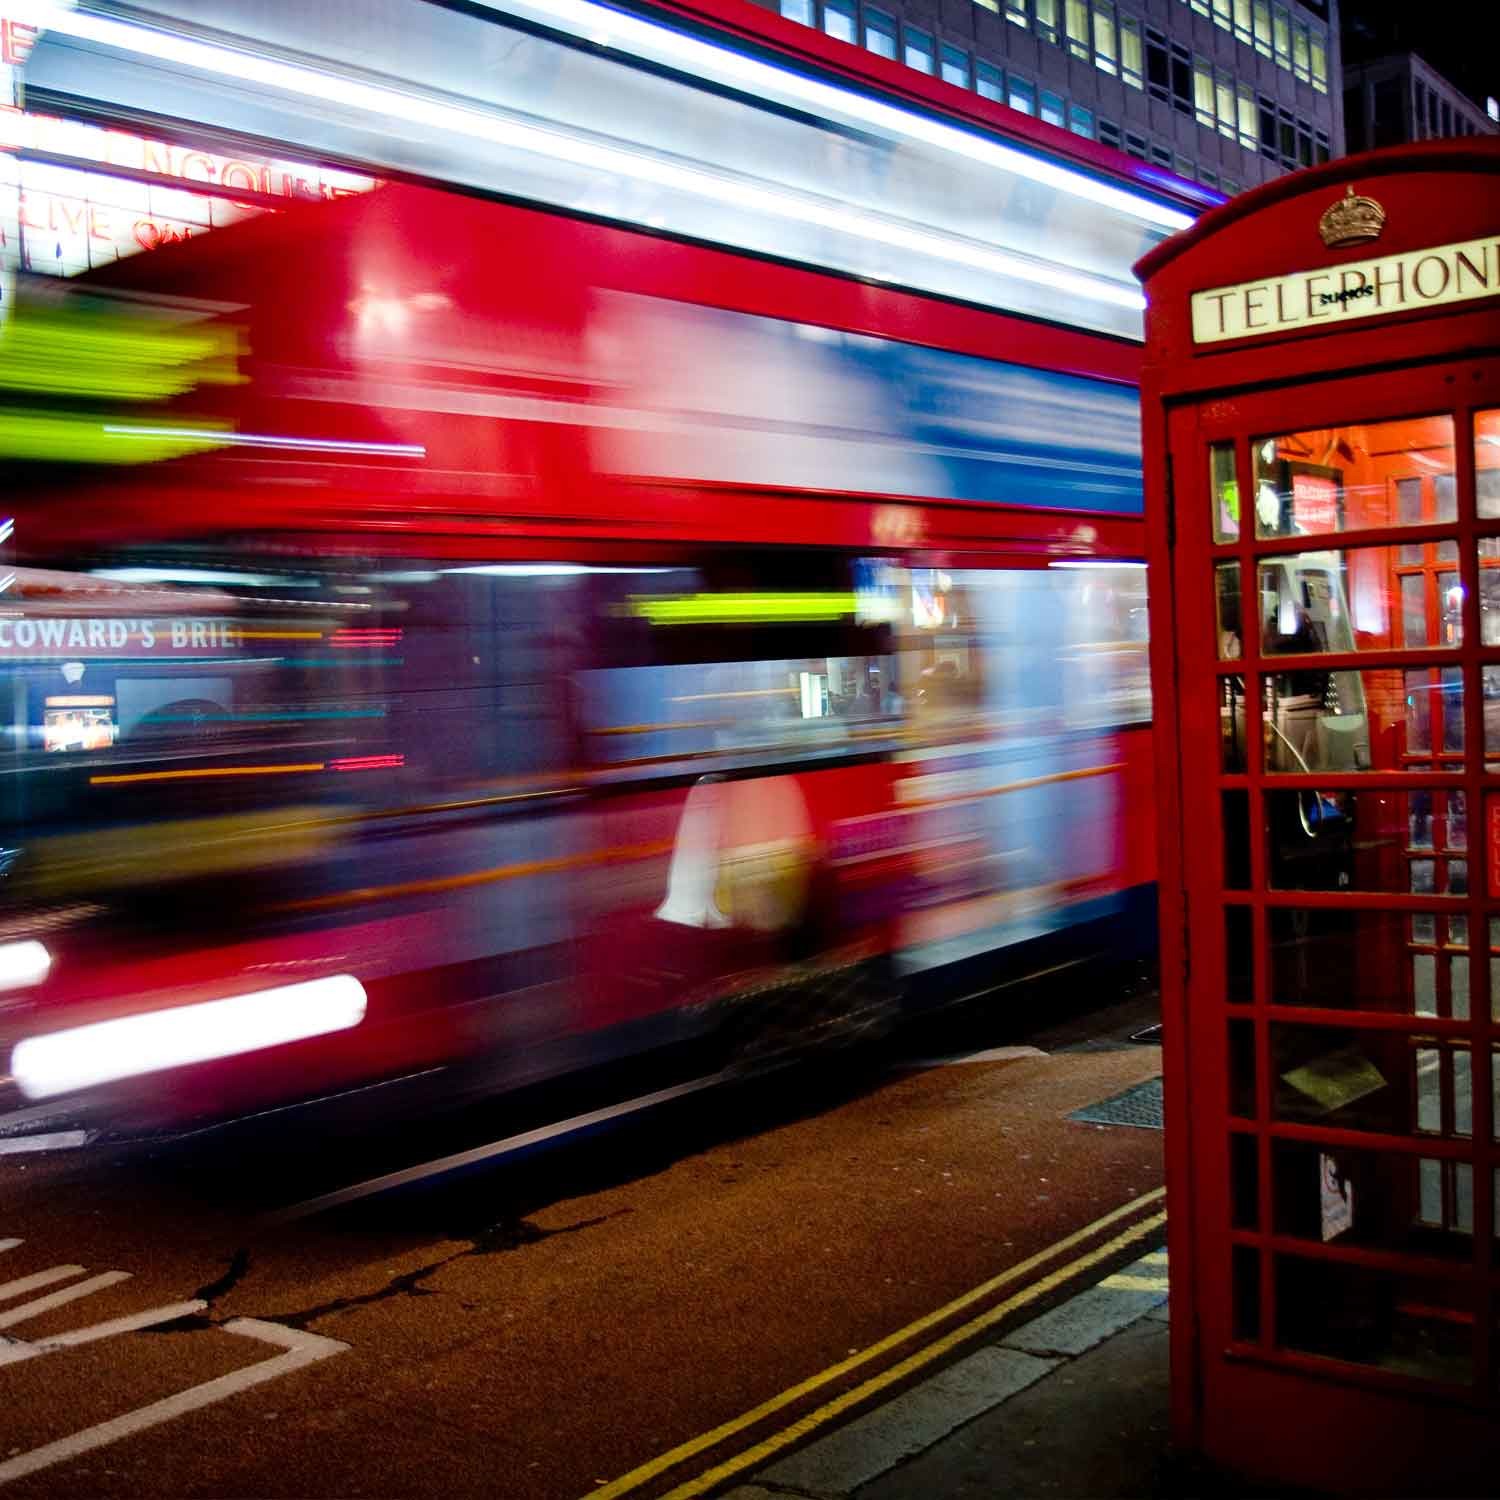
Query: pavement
point(1074, 1403)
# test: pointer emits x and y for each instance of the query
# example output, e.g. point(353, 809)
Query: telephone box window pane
point(1489, 590)
point(1242, 1069)
point(1424, 983)
point(1492, 718)
point(1239, 974)
point(1346, 601)
point(1236, 814)
point(1338, 959)
point(1352, 478)
point(1463, 1094)
point(1351, 1079)
point(1328, 1195)
point(1245, 1274)
point(1321, 721)
point(1458, 987)
point(1232, 724)
point(1414, 610)
point(1226, 581)
point(1225, 491)
point(1487, 461)
point(1430, 1192)
point(1352, 840)
point(1244, 1180)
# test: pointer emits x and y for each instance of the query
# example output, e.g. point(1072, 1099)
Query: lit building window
point(1222, 15)
point(918, 49)
point(1104, 36)
point(1078, 27)
point(1022, 95)
point(1203, 92)
point(1200, 7)
point(1130, 51)
point(1281, 32)
point(1263, 27)
point(1046, 19)
point(1052, 108)
point(955, 66)
point(880, 32)
point(798, 10)
point(992, 5)
point(1249, 124)
point(1015, 12)
point(1319, 62)
point(838, 19)
point(1081, 121)
point(1301, 50)
point(1242, 20)
point(1224, 91)
point(988, 82)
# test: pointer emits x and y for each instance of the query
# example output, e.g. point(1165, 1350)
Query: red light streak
point(350, 638)
point(367, 763)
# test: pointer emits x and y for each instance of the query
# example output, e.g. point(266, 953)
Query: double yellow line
point(757, 1454)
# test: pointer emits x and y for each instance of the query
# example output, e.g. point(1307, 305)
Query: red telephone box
point(1322, 420)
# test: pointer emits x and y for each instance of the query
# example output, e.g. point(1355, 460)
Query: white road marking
point(12, 1352)
point(40, 1305)
point(302, 1349)
point(23, 1284)
point(57, 1140)
point(495, 1149)
point(990, 1054)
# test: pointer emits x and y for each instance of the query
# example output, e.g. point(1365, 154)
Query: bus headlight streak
point(23, 963)
point(82, 1057)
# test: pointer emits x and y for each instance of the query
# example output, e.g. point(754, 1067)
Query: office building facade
point(1389, 100)
point(1227, 92)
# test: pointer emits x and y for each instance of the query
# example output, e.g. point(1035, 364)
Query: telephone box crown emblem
point(1351, 221)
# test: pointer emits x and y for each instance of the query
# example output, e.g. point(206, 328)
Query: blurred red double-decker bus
point(446, 630)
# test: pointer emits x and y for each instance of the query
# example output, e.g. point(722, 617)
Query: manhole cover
point(1140, 1105)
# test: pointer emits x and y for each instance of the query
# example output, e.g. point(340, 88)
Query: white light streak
point(766, 80)
point(575, 150)
point(273, 440)
point(82, 1057)
point(1097, 562)
point(23, 963)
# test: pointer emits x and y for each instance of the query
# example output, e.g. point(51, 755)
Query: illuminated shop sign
point(85, 638)
point(64, 219)
point(1359, 289)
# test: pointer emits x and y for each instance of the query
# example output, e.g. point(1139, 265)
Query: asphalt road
point(538, 1327)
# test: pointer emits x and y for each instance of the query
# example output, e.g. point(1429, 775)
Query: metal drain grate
point(1140, 1106)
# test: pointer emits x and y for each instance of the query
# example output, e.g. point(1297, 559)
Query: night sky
point(1458, 37)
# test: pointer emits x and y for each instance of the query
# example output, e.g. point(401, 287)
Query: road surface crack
point(499, 1238)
